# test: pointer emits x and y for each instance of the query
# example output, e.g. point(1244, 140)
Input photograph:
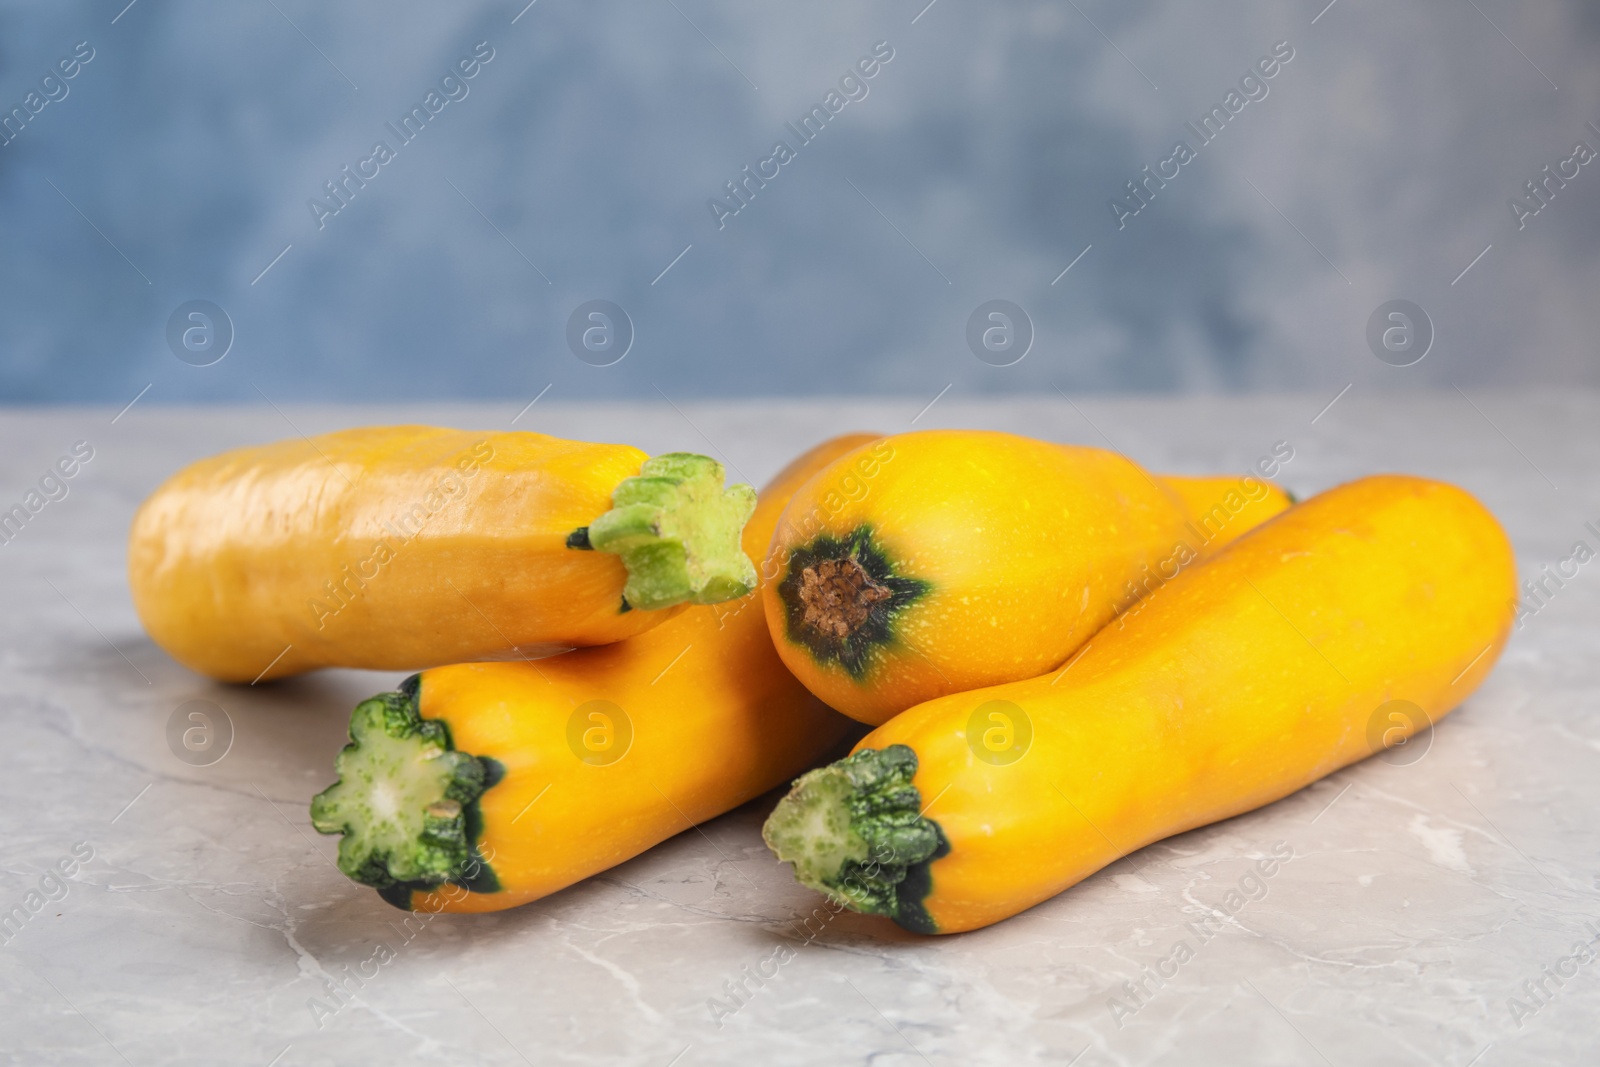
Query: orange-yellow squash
point(401, 547)
point(937, 562)
point(483, 786)
point(1337, 628)
point(1223, 508)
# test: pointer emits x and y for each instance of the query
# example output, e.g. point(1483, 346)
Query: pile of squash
point(1062, 657)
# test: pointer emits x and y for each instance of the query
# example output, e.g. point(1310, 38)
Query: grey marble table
point(1423, 904)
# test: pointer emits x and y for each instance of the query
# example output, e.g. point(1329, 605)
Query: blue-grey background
point(182, 160)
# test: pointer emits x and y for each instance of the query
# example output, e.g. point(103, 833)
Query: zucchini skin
point(988, 558)
point(1243, 680)
point(387, 548)
point(1223, 508)
point(715, 720)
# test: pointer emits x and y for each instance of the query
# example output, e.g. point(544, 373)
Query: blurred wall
point(184, 161)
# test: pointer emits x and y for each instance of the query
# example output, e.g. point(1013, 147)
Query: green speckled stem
point(677, 531)
point(854, 831)
point(405, 801)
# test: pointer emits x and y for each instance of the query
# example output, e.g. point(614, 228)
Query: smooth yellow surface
point(716, 720)
point(1028, 546)
point(1244, 679)
point(1223, 508)
point(388, 547)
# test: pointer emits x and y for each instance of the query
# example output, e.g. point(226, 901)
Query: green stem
point(677, 531)
point(406, 801)
point(854, 831)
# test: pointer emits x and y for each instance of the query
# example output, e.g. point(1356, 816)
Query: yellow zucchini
point(482, 786)
point(400, 547)
point(1223, 508)
point(936, 562)
point(1244, 679)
